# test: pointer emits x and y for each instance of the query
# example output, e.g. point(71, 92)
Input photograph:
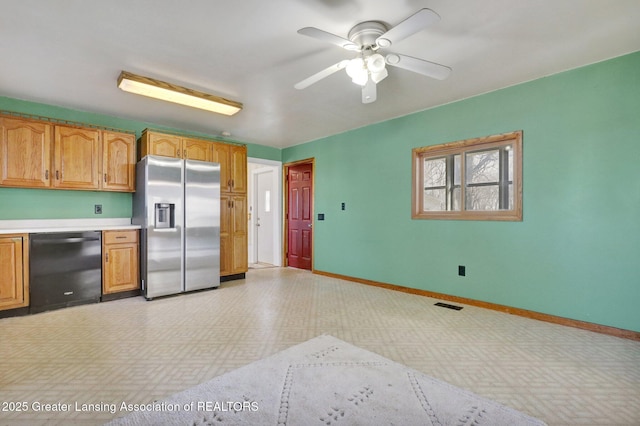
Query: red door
point(299, 213)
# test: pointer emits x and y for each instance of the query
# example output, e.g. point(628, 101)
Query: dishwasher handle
point(66, 240)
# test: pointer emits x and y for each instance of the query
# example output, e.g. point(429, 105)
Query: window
point(474, 179)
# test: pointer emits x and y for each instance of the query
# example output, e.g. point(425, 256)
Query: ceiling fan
point(368, 38)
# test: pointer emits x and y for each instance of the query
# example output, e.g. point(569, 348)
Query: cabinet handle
point(106, 257)
point(120, 237)
point(184, 154)
point(46, 174)
point(105, 177)
point(233, 183)
point(57, 175)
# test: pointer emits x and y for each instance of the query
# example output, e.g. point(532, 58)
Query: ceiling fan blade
point(430, 69)
point(414, 23)
point(328, 37)
point(369, 92)
point(320, 75)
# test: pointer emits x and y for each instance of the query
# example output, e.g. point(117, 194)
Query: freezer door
point(163, 250)
point(202, 225)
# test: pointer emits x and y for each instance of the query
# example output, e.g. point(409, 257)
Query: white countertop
point(63, 225)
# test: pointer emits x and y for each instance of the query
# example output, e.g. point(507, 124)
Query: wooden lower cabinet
point(120, 266)
point(233, 234)
point(14, 271)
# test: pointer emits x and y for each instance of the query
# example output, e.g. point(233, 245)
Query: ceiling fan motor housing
point(366, 33)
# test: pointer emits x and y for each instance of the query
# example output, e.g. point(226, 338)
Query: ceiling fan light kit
point(357, 70)
point(157, 89)
point(369, 68)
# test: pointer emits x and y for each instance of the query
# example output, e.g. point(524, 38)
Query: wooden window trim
point(463, 147)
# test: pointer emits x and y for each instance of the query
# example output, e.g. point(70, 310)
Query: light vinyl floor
point(136, 351)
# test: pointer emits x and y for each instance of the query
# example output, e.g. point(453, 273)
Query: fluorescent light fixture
point(180, 95)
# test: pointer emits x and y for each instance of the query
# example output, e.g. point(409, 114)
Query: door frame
point(285, 209)
point(278, 215)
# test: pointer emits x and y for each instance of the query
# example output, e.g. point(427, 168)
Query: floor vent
point(446, 305)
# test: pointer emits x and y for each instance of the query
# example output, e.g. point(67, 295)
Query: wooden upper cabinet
point(233, 166)
point(220, 153)
point(154, 143)
point(118, 161)
point(39, 154)
point(76, 158)
point(25, 153)
point(238, 169)
point(195, 149)
point(160, 144)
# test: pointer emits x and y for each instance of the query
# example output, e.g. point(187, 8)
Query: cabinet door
point(118, 161)
point(14, 291)
point(165, 145)
point(120, 268)
point(233, 234)
point(194, 149)
point(76, 158)
point(226, 248)
point(239, 234)
point(25, 153)
point(120, 261)
point(220, 153)
point(238, 169)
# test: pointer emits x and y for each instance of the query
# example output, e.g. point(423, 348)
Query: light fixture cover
point(172, 93)
point(375, 62)
point(358, 72)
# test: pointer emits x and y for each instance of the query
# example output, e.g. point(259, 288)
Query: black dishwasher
point(65, 269)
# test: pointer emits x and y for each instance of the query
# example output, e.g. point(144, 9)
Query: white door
point(264, 211)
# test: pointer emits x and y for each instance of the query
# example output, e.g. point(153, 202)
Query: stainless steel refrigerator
point(177, 205)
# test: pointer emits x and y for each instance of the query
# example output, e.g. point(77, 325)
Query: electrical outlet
point(97, 209)
point(343, 206)
point(462, 270)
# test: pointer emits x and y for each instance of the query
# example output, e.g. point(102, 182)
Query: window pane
point(435, 172)
point(511, 206)
point(510, 151)
point(482, 166)
point(456, 199)
point(456, 169)
point(482, 197)
point(435, 199)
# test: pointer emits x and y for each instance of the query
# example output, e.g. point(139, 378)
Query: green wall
point(577, 251)
point(17, 203)
point(574, 255)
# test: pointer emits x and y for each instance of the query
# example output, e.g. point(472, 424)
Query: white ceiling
point(70, 53)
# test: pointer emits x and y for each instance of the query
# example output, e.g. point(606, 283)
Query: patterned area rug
point(325, 381)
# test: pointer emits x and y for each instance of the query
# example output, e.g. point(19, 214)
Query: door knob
point(309, 225)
